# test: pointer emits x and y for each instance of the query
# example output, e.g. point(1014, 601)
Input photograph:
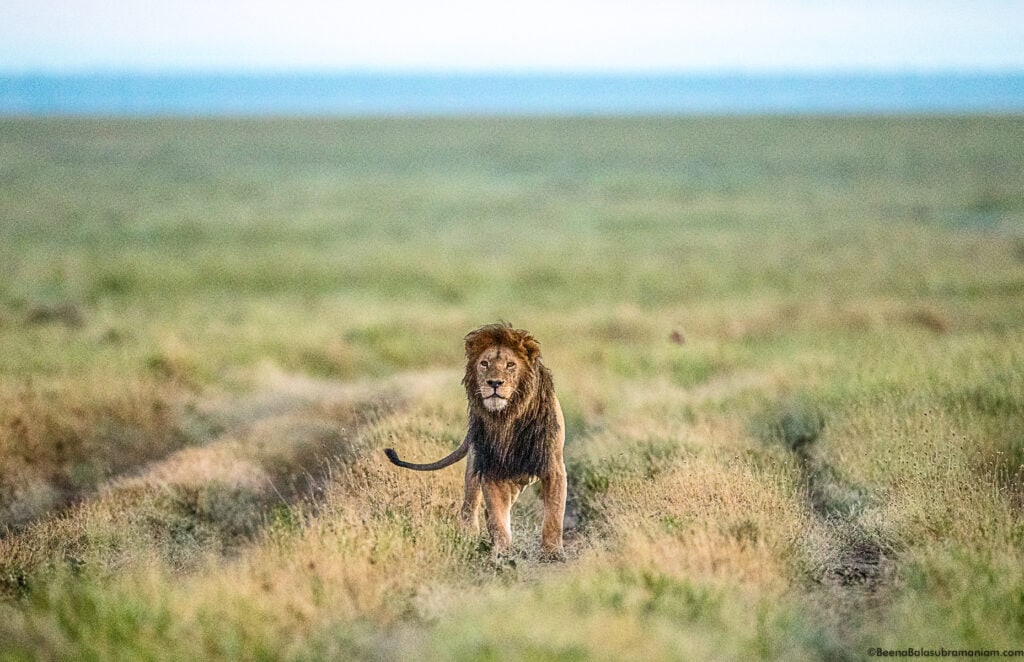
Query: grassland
point(790, 350)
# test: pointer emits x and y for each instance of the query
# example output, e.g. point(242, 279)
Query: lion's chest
point(517, 452)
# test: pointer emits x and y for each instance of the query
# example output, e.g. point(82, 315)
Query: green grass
point(790, 352)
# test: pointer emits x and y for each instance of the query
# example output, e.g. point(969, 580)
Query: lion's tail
point(451, 459)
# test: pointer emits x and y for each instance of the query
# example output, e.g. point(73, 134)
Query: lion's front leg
point(553, 493)
point(498, 499)
point(470, 512)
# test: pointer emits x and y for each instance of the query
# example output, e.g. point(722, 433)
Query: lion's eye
point(510, 365)
point(483, 364)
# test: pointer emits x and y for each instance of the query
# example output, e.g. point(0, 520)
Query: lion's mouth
point(494, 394)
point(495, 401)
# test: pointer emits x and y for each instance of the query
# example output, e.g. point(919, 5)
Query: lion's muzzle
point(493, 401)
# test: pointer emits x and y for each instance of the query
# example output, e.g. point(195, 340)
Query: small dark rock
point(66, 314)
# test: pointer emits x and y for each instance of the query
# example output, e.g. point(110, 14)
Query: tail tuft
point(392, 455)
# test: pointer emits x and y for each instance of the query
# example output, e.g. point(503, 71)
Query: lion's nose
point(495, 383)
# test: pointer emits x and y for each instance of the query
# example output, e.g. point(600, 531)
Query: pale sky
point(524, 35)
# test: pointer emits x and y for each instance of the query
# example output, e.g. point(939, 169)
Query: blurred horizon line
point(540, 72)
point(365, 93)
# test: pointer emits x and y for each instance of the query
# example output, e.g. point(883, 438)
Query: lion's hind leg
point(553, 487)
point(553, 493)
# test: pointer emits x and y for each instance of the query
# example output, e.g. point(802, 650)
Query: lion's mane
point(518, 440)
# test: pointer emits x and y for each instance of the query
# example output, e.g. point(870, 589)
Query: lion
point(515, 435)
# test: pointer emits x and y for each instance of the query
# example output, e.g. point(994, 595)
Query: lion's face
point(498, 371)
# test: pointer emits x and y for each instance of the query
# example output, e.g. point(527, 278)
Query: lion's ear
point(471, 344)
point(532, 348)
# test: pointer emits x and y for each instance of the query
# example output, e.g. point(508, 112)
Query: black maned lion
point(516, 434)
